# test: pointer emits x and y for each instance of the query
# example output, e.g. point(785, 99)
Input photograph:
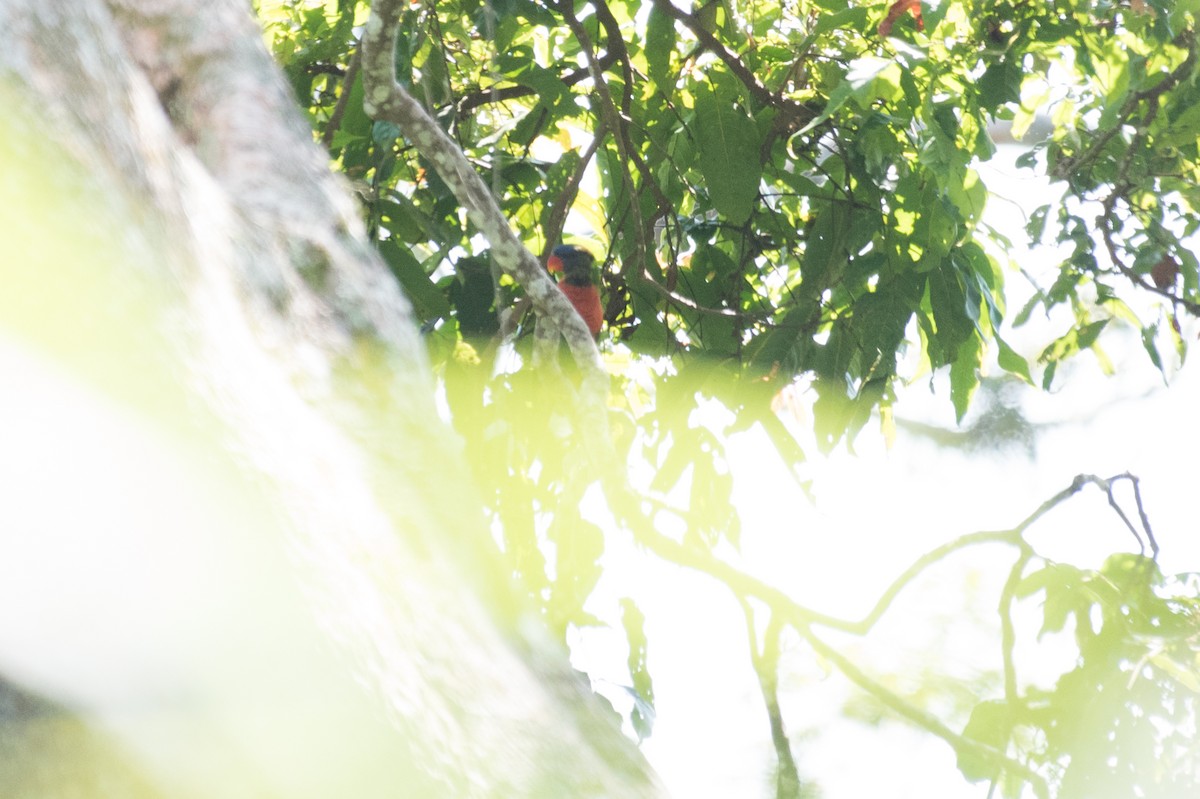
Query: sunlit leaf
point(728, 141)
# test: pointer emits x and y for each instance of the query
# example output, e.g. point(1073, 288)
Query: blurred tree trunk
point(236, 538)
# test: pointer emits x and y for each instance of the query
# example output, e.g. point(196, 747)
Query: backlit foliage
point(784, 193)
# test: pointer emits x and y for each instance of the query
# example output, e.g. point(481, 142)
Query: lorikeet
point(575, 266)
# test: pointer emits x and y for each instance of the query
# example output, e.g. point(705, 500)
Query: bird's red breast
point(586, 300)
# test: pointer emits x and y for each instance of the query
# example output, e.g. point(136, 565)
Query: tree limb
point(791, 108)
point(615, 123)
point(558, 217)
point(921, 718)
point(766, 666)
point(385, 98)
point(339, 110)
point(802, 618)
point(1108, 235)
point(490, 95)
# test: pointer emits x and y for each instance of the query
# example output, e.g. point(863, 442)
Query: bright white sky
point(874, 513)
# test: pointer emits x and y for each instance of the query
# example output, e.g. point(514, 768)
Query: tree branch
point(803, 619)
point(760, 92)
point(1108, 235)
point(616, 45)
point(490, 95)
point(558, 217)
point(1064, 168)
point(385, 98)
point(339, 109)
point(766, 666)
point(1008, 633)
point(616, 123)
point(921, 718)
point(692, 305)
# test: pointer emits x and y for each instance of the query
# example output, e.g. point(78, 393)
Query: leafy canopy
point(782, 192)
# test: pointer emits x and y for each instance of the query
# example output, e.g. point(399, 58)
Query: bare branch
point(766, 666)
point(1107, 486)
point(497, 94)
point(385, 98)
point(558, 217)
point(795, 110)
point(339, 109)
point(784, 609)
point(921, 718)
point(1008, 633)
point(1137, 496)
point(614, 121)
point(1108, 234)
point(864, 625)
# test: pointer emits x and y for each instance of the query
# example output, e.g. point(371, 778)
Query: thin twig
point(1008, 633)
point(766, 666)
point(339, 109)
point(692, 305)
point(864, 625)
point(743, 73)
point(616, 44)
point(385, 98)
point(1107, 486)
point(558, 217)
point(1121, 184)
point(1107, 234)
point(616, 121)
point(1137, 497)
point(612, 119)
point(803, 619)
point(494, 94)
point(1065, 167)
point(921, 718)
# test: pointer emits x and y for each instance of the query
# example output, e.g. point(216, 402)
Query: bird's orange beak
point(555, 264)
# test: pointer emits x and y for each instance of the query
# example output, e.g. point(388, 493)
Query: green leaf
point(473, 294)
point(384, 133)
point(1011, 361)
point(546, 82)
point(964, 375)
point(1033, 582)
point(1036, 226)
point(679, 457)
point(1061, 602)
point(990, 724)
point(634, 624)
point(660, 43)
point(729, 154)
point(852, 18)
point(1048, 375)
point(579, 545)
point(1149, 334)
point(955, 320)
point(1000, 84)
point(1089, 333)
point(427, 299)
point(873, 78)
point(1078, 338)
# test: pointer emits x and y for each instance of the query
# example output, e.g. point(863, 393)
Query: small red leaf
point(895, 10)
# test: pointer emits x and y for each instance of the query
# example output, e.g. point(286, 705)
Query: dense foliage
point(782, 194)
